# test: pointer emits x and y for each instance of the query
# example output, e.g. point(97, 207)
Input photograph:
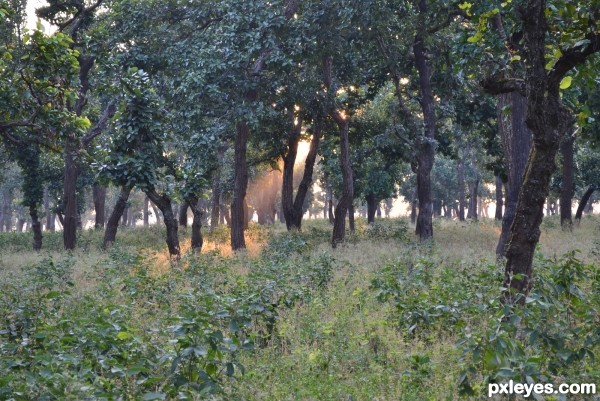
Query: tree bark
point(499, 198)
point(473, 190)
point(183, 218)
point(347, 196)
point(371, 208)
point(99, 195)
point(567, 185)
point(351, 217)
point(548, 118)
point(589, 206)
point(225, 215)
point(240, 184)
point(583, 202)
point(344, 203)
point(8, 211)
point(516, 143)
point(330, 205)
point(216, 197)
point(36, 227)
point(293, 207)
point(163, 202)
point(426, 151)
point(460, 167)
point(49, 212)
point(197, 240)
point(70, 198)
point(146, 212)
point(110, 233)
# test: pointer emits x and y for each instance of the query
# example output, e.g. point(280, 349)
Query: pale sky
point(32, 5)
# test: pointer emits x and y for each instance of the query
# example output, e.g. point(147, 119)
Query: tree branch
point(97, 129)
point(573, 57)
point(497, 86)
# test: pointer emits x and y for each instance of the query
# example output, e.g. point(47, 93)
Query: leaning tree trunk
point(99, 195)
point(499, 198)
point(240, 184)
point(516, 143)
point(293, 207)
point(110, 233)
point(163, 202)
point(584, 201)
point(566, 189)
point(36, 227)
point(371, 208)
point(70, 198)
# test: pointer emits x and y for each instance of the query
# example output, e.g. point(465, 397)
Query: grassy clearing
point(381, 318)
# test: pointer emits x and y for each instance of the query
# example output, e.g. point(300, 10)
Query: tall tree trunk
point(110, 233)
point(567, 185)
point(240, 183)
point(292, 208)
point(216, 199)
point(347, 196)
point(131, 217)
point(47, 211)
point(197, 240)
point(330, 205)
point(70, 198)
point(548, 118)
point(499, 198)
point(371, 208)
point(426, 151)
point(345, 201)
point(583, 202)
point(461, 189)
point(99, 195)
point(351, 217)
point(163, 202)
point(473, 190)
point(7, 211)
point(146, 212)
point(516, 142)
point(36, 227)
point(183, 218)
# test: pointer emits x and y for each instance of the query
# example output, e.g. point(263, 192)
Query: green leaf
point(566, 82)
point(123, 335)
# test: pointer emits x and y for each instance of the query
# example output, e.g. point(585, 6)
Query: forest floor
point(383, 317)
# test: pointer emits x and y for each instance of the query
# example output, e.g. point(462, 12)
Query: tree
point(548, 119)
